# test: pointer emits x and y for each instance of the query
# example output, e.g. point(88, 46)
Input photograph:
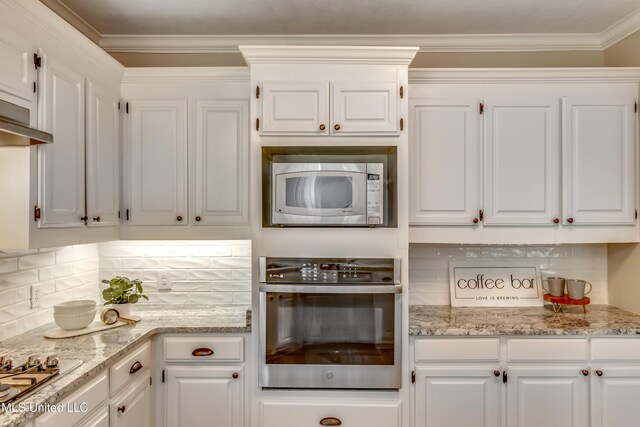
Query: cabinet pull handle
point(198, 219)
point(496, 373)
point(122, 408)
point(599, 373)
point(179, 218)
point(585, 372)
point(556, 220)
point(202, 351)
point(135, 368)
point(330, 421)
point(322, 127)
point(235, 375)
point(84, 218)
point(337, 127)
point(570, 220)
point(476, 220)
point(96, 219)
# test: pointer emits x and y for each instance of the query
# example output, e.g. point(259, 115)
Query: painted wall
point(66, 273)
point(429, 266)
point(202, 272)
point(624, 276)
point(625, 53)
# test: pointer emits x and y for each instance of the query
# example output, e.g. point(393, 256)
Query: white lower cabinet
point(100, 419)
point(196, 393)
point(132, 407)
point(615, 394)
point(456, 396)
point(314, 414)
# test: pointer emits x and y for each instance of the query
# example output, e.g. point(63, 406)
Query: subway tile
point(10, 297)
point(34, 320)
point(17, 279)
point(36, 261)
point(14, 311)
point(242, 298)
point(210, 298)
point(85, 265)
point(183, 275)
point(231, 286)
point(242, 251)
point(241, 275)
point(110, 263)
point(8, 265)
point(191, 286)
point(240, 262)
point(212, 251)
point(56, 271)
point(7, 330)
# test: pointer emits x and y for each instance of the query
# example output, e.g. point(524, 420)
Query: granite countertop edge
point(54, 392)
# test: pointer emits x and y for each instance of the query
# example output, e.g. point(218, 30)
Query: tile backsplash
point(202, 272)
point(65, 273)
point(429, 266)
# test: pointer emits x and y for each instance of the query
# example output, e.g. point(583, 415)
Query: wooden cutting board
point(96, 326)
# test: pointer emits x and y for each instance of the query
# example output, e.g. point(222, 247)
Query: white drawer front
point(93, 395)
point(130, 367)
point(465, 349)
point(199, 349)
point(546, 350)
point(603, 349)
point(286, 414)
point(100, 419)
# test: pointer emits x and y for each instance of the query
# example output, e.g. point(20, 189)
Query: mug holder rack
point(558, 302)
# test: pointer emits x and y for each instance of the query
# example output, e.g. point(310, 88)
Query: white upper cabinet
point(61, 185)
point(221, 162)
point(365, 108)
point(444, 165)
point(17, 72)
point(599, 159)
point(298, 108)
point(303, 108)
point(103, 195)
point(158, 163)
point(521, 160)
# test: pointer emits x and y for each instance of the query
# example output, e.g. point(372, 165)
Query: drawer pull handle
point(585, 372)
point(496, 373)
point(122, 408)
point(599, 373)
point(234, 375)
point(135, 368)
point(330, 421)
point(202, 351)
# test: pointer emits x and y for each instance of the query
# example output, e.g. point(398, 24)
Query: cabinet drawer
point(93, 395)
point(100, 419)
point(603, 349)
point(546, 350)
point(465, 349)
point(357, 414)
point(130, 367)
point(220, 349)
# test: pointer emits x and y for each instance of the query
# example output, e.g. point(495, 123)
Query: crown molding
point(620, 30)
point(519, 75)
point(167, 74)
point(389, 55)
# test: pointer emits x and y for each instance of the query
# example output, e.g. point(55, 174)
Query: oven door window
point(321, 193)
point(329, 329)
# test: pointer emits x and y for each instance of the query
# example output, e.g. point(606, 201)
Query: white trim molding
point(153, 75)
point(621, 29)
point(388, 55)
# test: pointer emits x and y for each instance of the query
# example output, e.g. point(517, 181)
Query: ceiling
point(436, 25)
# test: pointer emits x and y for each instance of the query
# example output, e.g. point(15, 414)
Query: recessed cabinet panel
point(615, 393)
point(365, 108)
point(599, 160)
point(158, 174)
point(444, 147)
point(61, 185)
point(103, 196)
point(221, 163)
point(521, 161)
point(17, 71)
point(133, 409)
point(295, 108)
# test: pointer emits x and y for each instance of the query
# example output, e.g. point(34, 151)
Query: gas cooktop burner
point(18, 381)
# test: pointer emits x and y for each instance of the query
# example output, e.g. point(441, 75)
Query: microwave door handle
point(335, 289)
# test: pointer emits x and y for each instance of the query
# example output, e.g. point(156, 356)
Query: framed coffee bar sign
point(495, 283)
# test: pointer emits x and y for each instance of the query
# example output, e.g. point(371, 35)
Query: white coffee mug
point(576, 288)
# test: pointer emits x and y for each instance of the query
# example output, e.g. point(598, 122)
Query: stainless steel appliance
point(330, 323)
point(327, 194)
point(15, 130)
point(19, 381)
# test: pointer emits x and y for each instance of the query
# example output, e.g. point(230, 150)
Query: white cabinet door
point(459, 396)
point(522, 160)
point(61, 185)
point(197, 393)
point(295, 108)
point(100, 419)
point(547, 396)
point(103, 195)
point(365, 108)
point(17, 72)
point(615, 393)
point(133, 408)
point(158, 162)
point(599, 173)
point(221, 161)
point(444, 161)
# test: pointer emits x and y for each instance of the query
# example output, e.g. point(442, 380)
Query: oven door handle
point(334, 289)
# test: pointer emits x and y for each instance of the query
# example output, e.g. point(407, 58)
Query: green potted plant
point(121, 293)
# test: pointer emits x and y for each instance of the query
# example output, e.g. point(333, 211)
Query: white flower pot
point(124, 310)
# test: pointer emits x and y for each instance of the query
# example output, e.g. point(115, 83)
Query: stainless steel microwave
point(327, 194)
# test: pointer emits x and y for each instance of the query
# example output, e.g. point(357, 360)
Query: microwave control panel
point(375, 193)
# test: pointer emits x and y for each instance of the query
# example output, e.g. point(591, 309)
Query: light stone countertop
point(440, 320)
point(98, 351)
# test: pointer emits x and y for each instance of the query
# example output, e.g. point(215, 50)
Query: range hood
point(15, 130)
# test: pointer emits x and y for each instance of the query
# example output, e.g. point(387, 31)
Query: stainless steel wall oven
point(330, 323)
